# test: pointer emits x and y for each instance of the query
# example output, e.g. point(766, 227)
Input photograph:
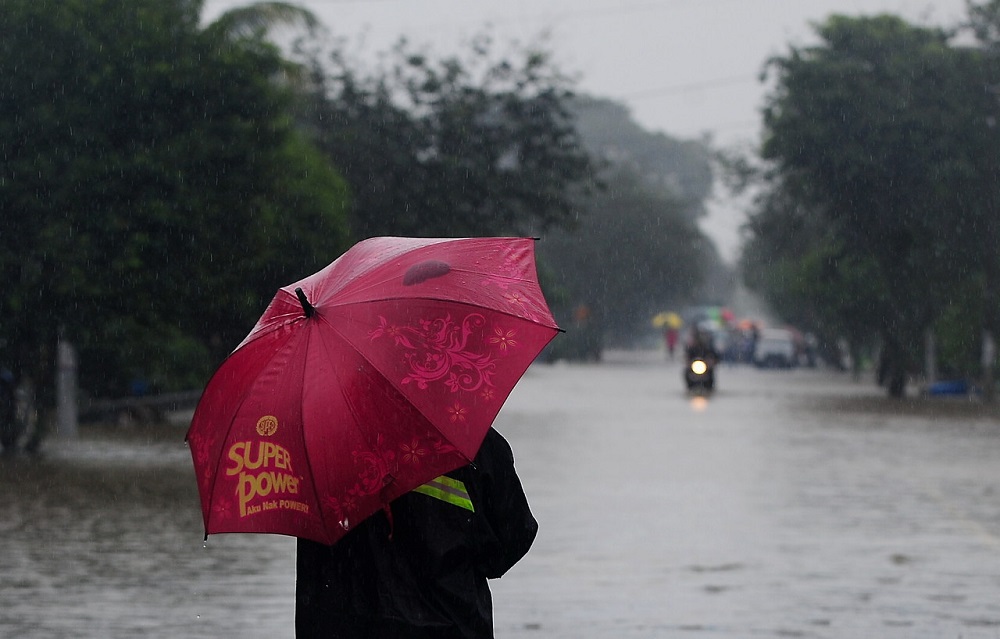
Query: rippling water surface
point(103, 538)
point(786, 505)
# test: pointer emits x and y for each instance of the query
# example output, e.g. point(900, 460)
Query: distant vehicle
point(775, 348)
point(700, 358)
point(699, 375)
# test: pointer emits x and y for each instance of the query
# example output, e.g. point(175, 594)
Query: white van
point(775, 348)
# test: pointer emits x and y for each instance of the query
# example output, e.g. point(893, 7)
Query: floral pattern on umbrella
point(443, 350)
point(376, 469)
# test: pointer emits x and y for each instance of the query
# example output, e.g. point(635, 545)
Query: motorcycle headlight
point(699, 367)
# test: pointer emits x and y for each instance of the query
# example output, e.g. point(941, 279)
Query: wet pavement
point(788, 504)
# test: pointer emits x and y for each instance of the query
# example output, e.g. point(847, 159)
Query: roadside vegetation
point(162, 177)
point(877, 217)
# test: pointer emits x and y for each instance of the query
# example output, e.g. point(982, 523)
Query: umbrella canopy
point(365, 380)
point(669, 319)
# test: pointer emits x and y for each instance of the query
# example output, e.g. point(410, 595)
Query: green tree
point(636, 248)
point(448, 147)
point(636, 252)
point(681, 169)
point(255, 21)
point(868, 136)
point(982, 67)
point(984, 21)
point(153, 190)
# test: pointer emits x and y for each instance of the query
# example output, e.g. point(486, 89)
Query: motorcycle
point(699, 375)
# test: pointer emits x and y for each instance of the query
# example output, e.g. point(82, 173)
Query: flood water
point(794, 504)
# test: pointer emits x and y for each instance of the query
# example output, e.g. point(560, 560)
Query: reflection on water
point(103, 538)
point(699, 403)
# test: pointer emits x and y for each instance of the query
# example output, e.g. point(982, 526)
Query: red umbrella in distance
point(364, 381)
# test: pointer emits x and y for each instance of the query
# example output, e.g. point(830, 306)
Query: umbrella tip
point(307, 308)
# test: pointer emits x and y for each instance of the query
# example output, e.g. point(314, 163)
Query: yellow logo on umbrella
point(267, 425)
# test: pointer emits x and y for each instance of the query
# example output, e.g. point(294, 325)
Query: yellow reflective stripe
point(448, 490)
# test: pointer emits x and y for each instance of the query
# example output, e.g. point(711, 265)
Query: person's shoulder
point(496, 440)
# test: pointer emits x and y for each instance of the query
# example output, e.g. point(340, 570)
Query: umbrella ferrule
point(307, 308)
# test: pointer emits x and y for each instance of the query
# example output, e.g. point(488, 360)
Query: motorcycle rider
point(700, 346)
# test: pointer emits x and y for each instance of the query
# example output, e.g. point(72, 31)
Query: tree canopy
point(475, 145)
point(153, 190)
point(636, 248)
point(161, 178)
point(679, 168)
point(880, 189)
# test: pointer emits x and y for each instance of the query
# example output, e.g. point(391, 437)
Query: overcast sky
point(684, 67)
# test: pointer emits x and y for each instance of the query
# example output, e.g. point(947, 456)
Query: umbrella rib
point(307, 449)
point(288, 318)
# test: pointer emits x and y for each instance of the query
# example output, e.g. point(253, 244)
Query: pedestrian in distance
point(419, 569)
point(671, 336)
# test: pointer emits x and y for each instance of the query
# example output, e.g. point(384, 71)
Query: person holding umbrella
point(419, 570)
point(357, 416)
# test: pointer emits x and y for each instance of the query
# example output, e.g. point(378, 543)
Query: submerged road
point(788, 504)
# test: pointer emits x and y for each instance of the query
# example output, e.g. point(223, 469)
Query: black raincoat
point(422, 574)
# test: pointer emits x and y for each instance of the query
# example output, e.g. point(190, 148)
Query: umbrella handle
point(307, 308)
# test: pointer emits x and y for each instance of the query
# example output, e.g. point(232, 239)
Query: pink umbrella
point(364, 381)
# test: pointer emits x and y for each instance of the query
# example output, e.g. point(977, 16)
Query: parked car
point(775, 348)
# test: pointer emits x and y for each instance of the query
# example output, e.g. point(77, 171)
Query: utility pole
point(989, 355)
point(67, 411)
point(930, 357)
